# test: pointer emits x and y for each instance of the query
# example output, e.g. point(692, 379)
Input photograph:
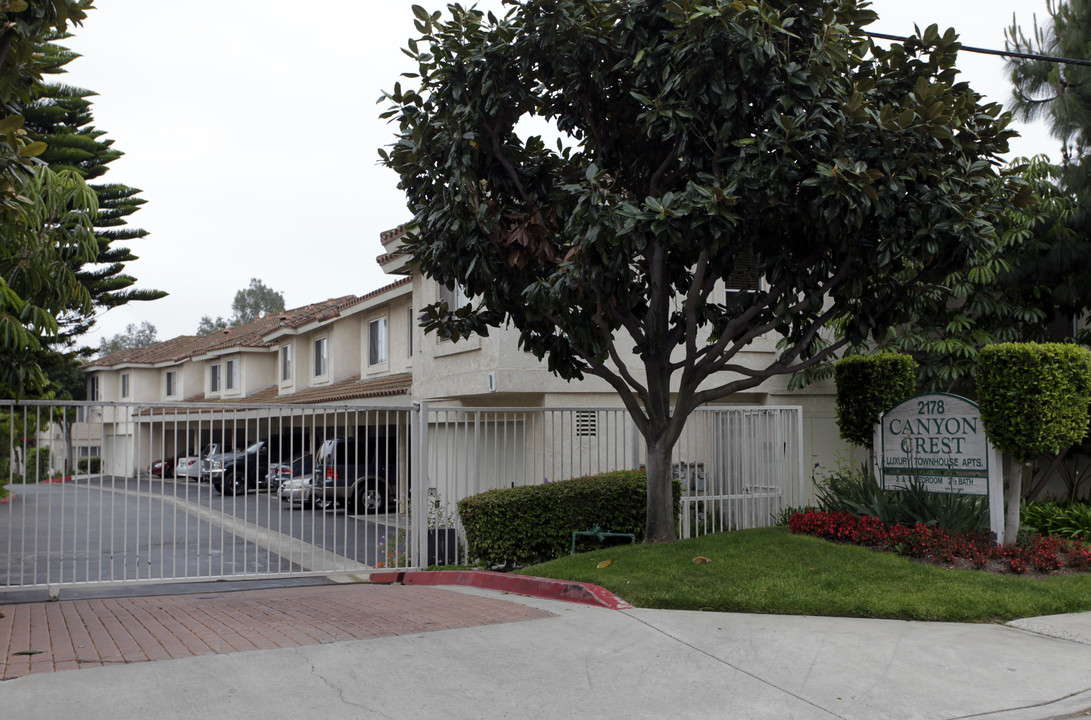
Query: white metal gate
point(100, 509)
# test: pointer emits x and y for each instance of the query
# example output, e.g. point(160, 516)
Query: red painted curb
point(548, 588)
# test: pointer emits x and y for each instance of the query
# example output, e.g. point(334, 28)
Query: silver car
point(297, 491)
point(190, 466)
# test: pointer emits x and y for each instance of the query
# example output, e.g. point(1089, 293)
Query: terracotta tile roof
point(249, 335)
point(252, 334)
point(170, 350)
point(389, 236)
point(396, 284)
point(352, 388)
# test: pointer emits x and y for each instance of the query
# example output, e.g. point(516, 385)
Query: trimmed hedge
point(868, 386)
point(37, 464)
point(534, 523)
point(92, 465)
point(1034, 397)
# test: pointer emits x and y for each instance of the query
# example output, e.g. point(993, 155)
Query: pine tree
point(1060, 94)
point(61, 116)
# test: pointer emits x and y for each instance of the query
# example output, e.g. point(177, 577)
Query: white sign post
point(937, 441)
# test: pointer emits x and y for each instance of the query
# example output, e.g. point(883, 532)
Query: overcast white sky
point(252, 129)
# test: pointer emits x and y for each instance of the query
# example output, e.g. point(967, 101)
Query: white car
point(297, 491)
point(190, 465)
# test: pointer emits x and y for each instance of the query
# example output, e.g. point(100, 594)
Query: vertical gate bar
point(10, 560)
point(49, 502)
point(798, 413)
point(418, 486)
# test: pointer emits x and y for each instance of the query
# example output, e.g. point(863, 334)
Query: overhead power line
point(988, 51)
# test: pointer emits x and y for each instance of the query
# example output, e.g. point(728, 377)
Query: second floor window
point(124, 385)
point(455, 298)
point(286, 362)
point(376, 342)
point(92, 388)
point(320, 357)
point(172, 383)
point(214, 378)
point(411, 327)
point(231, 381)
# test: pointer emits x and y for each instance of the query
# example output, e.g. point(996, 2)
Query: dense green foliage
point(772, 571)
point(61, 117)
point(58, 266)
point(706, 147)
point(1059, 94)
point(89, 465)
point(856, 491)
point(1070, 520)
point(868, 386)
point(1034, 398)
point(37, 464)
point(532, 523)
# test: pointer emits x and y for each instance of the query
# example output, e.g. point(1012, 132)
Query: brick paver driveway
point(70, 634)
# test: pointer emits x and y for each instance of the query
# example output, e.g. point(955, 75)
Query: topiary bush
point(37, 464)
point(868, 386)
point(1034, 400)
point(1034, 397)
point(534, 523)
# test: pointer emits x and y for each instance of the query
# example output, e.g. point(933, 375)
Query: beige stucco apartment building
point(366, 351)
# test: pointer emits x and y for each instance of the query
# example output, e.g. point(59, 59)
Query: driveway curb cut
point(547, 588)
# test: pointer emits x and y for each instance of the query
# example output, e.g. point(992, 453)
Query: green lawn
point(770, 570)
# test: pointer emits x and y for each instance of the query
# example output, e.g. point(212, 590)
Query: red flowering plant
point(1041, 554)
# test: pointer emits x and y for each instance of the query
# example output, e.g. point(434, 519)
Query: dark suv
point(353, 473)
point(234, 473)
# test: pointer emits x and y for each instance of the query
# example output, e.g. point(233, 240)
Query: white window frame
point(214, 377)
point(378, 353)
point(124, 385)
point(455, 299)
point(93, 388)
point(411, 327)
point(171, 381)
point(286, 363)
point(321, 359)
point(231, 374)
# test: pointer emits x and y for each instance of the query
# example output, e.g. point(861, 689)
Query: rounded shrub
point(1034, 397)
point(868, 386)
point(533, 523)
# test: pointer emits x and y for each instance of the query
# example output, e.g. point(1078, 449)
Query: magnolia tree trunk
point(660, 524)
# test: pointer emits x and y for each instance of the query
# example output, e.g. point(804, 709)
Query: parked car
point(189, 466)
point(353, 474)
point(234, 473)
point(163, 468)
point(298, 491)
point(281, 472)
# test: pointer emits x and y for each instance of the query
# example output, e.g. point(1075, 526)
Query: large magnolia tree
point(700, 140)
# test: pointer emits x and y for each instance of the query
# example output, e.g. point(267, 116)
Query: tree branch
point(498, 151)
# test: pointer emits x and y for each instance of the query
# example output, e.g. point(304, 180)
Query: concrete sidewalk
point(546, 659)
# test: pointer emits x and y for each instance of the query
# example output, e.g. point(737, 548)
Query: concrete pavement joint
point(1046, 704)
point(733, 667)
point(1032, 625)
